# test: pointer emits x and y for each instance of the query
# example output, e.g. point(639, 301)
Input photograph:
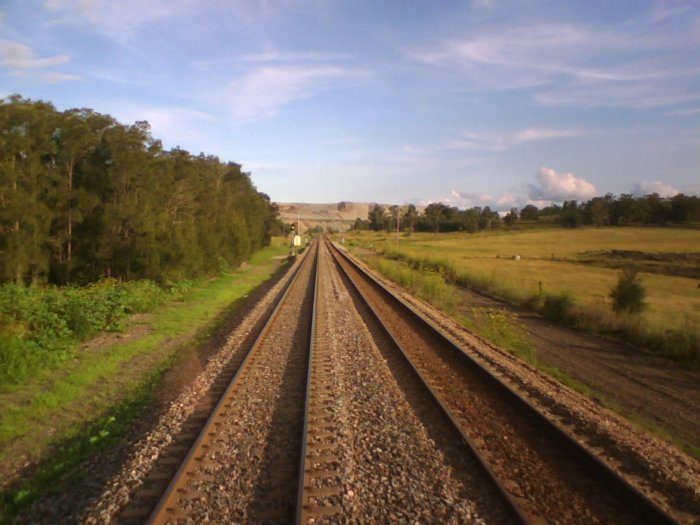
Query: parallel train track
point(543, 472)
point(539, 473)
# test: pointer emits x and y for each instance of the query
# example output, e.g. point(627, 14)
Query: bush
point(628, 295)
point(180, 289)
point(42, 326)
point(557, 307)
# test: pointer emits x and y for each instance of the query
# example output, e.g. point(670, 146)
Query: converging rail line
point(376, 447)
point(543, 472)
point(351, 406)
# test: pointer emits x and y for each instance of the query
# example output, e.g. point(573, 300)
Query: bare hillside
point(339, 216)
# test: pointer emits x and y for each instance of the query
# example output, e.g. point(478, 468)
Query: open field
point(561, 262)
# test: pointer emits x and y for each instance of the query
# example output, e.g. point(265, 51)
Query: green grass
point(74, 401)
point(85, 439)
point(501, 328)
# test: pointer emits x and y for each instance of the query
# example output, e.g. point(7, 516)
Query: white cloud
point(632, 95)
point(17, 56)
point(502, 202)
point(656, 186)
point(122, 20)
point(53, 5)
point(553, 186)
point(411, 150)
point(117, 20)
point(55, 78)
point(476, 141)
point(342, 141)
point(293, 56)
point(277, 58)
point(262, 92)
point(624, 65)
point(683, 112)
point(529, 135)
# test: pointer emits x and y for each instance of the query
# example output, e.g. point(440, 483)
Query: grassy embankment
point(577, 270)
point(61, 413)
point(565, 274)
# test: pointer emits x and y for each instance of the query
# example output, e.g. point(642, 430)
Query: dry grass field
point(583, 264)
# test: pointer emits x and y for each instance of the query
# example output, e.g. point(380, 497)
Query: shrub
point(41, 326)
point(180, 288)
point(628, 295)
point(558, 307)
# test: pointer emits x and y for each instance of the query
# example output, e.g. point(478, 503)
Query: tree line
point(83, 197)
point(625, 210)
point(436, 217)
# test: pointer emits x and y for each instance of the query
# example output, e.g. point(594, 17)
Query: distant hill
point(339, 216)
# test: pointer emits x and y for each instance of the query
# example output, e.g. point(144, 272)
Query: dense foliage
point(625, 210)
point(43, 325)
point(84, 197)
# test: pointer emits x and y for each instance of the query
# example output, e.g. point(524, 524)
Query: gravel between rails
point(398, 461)
point(656, 467)
point(143, 453)
point(248, 472)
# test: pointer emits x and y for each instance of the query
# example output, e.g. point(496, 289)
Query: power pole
point(398, 218)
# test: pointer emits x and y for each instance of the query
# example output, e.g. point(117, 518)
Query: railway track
point(324, 423)
point(545, 474)
point(377, 449)
point(239, 468)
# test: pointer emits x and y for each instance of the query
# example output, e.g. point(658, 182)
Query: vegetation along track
point(543, 471)
point(240, 468)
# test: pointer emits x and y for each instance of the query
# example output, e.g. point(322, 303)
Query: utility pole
point(398, 219)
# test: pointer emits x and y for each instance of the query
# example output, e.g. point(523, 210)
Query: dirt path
point(644, 385)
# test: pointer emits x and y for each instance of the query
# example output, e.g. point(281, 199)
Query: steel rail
point(643, 506)
point(159, 515)
point(301, 495)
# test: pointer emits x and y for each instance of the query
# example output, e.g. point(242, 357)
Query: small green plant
point(43, 326)
point(503, 329)
point(180, 288)
point(558, 307)
point(629, 293)
point(224, 266)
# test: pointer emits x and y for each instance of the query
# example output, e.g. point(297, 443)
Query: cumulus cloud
point(656, 186)
point(17, 56)
point(553, 186)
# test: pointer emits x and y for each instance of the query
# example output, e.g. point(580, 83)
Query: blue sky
point(489, 102)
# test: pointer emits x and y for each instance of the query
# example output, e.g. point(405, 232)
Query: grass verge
point(60, 416)
point(504, 330)
point(680, 344)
